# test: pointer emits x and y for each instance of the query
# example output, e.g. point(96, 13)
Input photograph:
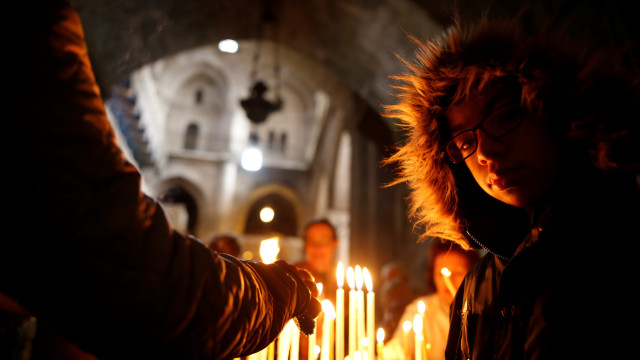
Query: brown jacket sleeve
point(92, 255)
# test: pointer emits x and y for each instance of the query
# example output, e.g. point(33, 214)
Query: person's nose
point(488, 149)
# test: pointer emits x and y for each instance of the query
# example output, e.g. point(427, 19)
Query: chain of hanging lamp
point(256, 106)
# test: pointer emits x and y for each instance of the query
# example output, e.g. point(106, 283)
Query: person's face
point(320, 246)
point(457, 264)
point(516, 168)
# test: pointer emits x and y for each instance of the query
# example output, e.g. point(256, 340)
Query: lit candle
point(284, 341)
point(446, 275)
point(340, 312)
point(359, 308)
point(365, 346)
point(295, 343)
point(327, 333)
point(269, 250)
point(371, 311)
point(380, 344)
point(406, 328)
point(312, 353)
point(417, 329)
point(352, 311)
point(421, 310)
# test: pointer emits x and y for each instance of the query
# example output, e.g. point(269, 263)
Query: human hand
point(305, 321)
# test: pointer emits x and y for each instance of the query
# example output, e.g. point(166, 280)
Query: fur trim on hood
point(559, 79)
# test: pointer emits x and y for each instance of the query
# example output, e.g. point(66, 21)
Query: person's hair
point(437, 247)
point(589, 103)
point(218, 242)
point(319, 220)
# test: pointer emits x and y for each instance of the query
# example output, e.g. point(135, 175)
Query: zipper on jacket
point(484, 247)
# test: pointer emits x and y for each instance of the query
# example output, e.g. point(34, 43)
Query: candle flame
point(340, 274)
point(317, 350)
point(320, 287)
point(269, 250)
point(444, 271)
point(380, 335)
point(365, 342)
point(417, 324)
point(367, 279)
point(421, 307)
point(406, 326)
point(358, 277)
point(350, 278)
point(328, 309)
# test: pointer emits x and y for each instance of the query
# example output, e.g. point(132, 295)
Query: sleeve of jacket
point(92, 254)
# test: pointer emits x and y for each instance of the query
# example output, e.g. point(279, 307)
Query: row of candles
point(361, 326)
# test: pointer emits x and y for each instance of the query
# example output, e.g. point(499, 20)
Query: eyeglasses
point(497, 125)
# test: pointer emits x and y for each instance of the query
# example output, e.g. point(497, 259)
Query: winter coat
point(563, 292)
point(86, 251)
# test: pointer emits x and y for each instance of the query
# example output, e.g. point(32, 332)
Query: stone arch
point(280, 196)
point(180, 199)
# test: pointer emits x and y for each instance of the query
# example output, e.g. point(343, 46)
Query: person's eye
point(465, 141)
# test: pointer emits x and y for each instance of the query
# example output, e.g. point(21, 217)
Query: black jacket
point(86, 251)
point(564, 292)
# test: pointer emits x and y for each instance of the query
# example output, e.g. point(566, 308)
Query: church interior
point(180, 102)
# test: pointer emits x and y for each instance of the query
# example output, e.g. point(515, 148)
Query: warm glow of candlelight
point(327, 330)
point(446, 273)
point(320, 287)
point(351, 278)
point(380, 338)
point(365, 342)
point(352, 310)
point(340, 312)
point(421, 307)
point(359, 279)
point(371, 310)
point(406, 326)
point(367, 279)
point(417, 324)
point(328, 309)
point(269, 250)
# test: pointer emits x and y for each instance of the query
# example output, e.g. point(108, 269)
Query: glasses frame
point(474, 131)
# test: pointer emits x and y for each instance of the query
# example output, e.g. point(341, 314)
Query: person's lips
point(502, 179)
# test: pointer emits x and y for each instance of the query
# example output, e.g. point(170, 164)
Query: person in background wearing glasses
point(524, 143)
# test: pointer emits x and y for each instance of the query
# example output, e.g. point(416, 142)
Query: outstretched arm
point(95, 257)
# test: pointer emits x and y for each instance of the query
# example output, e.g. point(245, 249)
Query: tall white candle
point(371, 312)
point(340, 312)
point(352, 311)
point(312, 353)
point(284, 341)
point(446, 274)
point(327, 329)
point(295, 343)
point(359, 309)
point(406, 328)
point(380, 343)
point(417, 329)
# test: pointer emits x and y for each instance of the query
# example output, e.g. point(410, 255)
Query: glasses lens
point(499, 126)
point(462, 146)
